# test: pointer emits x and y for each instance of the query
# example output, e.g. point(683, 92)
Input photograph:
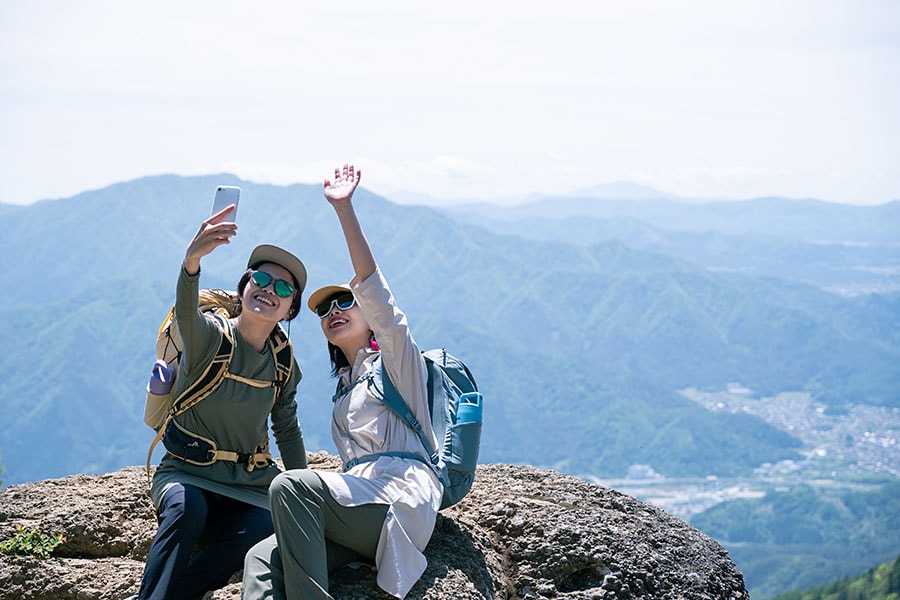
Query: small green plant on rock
point(31, 541)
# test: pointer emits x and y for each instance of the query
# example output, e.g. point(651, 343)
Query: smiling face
point(263, 301)
point(346, 329)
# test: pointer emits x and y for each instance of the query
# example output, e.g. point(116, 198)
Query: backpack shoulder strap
point(212, 376)
point(283, 353)
point(391, 398)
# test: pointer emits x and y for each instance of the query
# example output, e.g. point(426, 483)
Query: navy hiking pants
point(223, 528)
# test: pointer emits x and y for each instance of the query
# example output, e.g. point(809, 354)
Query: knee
point(279, 484)
point(293, 483)
point(293, 488)
point(183, 503)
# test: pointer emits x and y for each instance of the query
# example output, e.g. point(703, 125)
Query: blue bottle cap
point(162, 376)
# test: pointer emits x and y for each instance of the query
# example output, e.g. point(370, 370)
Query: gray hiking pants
point(314, 535)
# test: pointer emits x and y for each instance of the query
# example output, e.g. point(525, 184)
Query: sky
point(443, 102)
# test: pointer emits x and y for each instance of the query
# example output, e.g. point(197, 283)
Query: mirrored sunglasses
point(282, 287)
point(343, 302)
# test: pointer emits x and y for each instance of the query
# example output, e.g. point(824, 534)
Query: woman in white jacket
point(383, 507)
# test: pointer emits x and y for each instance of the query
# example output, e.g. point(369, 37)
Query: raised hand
point(345, 181)
point(339, 194)
point(212, 233)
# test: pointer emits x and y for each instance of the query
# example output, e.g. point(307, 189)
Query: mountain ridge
point(651, 324)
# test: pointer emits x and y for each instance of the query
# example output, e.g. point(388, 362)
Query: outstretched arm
point(200, 341)
point(340, 193)
point(210, 236)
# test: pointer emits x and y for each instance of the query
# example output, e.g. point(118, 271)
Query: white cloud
point(470, 98)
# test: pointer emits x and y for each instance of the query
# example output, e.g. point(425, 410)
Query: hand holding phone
point(226, 195)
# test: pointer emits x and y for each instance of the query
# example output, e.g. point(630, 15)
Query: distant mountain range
point(582, 318)
point(846, 249)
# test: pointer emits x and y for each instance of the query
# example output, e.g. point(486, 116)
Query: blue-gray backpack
point(456, 408)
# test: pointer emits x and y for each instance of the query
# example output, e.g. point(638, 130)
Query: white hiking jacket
point(362, 425)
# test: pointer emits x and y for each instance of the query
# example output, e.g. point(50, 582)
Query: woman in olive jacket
point(223, 506)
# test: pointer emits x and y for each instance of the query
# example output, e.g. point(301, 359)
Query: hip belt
point(198, 450)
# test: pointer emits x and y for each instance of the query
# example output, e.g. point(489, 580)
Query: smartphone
point(225, 195)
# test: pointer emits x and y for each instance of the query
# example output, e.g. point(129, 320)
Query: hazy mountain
point(618, 190)
point(579, 348)
point(807, 220)
point(846, 249)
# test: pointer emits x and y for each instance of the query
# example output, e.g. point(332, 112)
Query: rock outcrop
point(521, 533)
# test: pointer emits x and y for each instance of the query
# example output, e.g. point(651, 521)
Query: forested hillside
point(802, 535)
point(878, 583)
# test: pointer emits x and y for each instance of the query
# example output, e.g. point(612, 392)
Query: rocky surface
point(521, 533)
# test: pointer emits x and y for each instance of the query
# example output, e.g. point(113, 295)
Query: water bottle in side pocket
point(469, 408)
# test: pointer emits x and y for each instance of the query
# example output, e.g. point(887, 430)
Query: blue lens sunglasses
point(343, 302)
